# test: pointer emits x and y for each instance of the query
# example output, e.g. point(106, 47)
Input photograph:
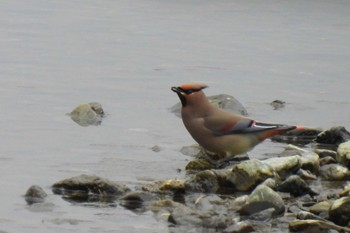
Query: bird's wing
point(242, 126)
point(222, 124)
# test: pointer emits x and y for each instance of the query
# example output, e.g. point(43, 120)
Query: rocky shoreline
point(303, 189)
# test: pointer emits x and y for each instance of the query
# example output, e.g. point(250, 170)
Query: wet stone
point(334, 172)
point(339, 211)
point(321, 207)
point(192, 150)
point(309, 159)
point(137, 199)
point(327, 160)
point(205, 182)
point(165, 186)
point(315, 226)
point(333, 136)
point(263, 198)
point(248, 174)
point(240, 227)
point(323, 153)
point(278, 104)
point(88, 114)
point(284, 166)
point(295, 186)
point(199, 165)
point(343, 154)
point(89, 188)
point(35, 194)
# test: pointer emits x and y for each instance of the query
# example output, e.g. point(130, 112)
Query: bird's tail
point(279, 129)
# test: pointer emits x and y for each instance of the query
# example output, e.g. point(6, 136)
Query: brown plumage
point(218, 131)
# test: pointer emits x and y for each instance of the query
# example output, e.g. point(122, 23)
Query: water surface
point(126, 55)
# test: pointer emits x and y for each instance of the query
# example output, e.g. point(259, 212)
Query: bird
point(222, 133)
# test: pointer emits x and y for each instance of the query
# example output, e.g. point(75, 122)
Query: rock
point(223, 101)
point(306, 175)
point(271, 183)
point(88, 114)
point(333, 136)
point(327, 160)
point(192, 150)
point(264, 215)
point(156, 148)
point(263, 198)
point(97, 107)
point(339, 211)
point(314, 226)
point(248, 174)
point(278, 104)
point(321, 207)
point(284, 166)
point(200, 165)
point(174, 185)
point(137, 199)
point(299, 136)
point(89, 188)
point(240, 227)
point(343, 154)
point(323, 153)
point(295, 186)
point(165, 186)
point(345, 192)
point(185, 217)
point(35, 194)
point(335, 172)
point(309, 159)
point(304, 215)
point(204, 182)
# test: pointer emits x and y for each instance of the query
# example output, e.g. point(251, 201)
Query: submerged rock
point(88, 114)
point(339, 211)
point(136, 200)
point(35, 194)
point(223, 101)
point(89, 188)
point(248, 174)
point(263, 198)
point(334, 172)
point(333, 136)
point(278, 104)
point(343, 154)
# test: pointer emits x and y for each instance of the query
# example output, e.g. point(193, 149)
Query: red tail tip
point(299, 127)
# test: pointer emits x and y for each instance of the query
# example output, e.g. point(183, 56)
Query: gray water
point(126, 55)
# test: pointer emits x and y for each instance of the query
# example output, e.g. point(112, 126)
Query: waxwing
point(220, 132)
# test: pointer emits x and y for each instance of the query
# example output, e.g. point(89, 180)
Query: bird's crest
point(193, 86)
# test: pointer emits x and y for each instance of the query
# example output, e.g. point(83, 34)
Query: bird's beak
point(176, 90)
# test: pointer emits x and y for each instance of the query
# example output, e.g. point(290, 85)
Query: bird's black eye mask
point(187, 92)
point(180, 91)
